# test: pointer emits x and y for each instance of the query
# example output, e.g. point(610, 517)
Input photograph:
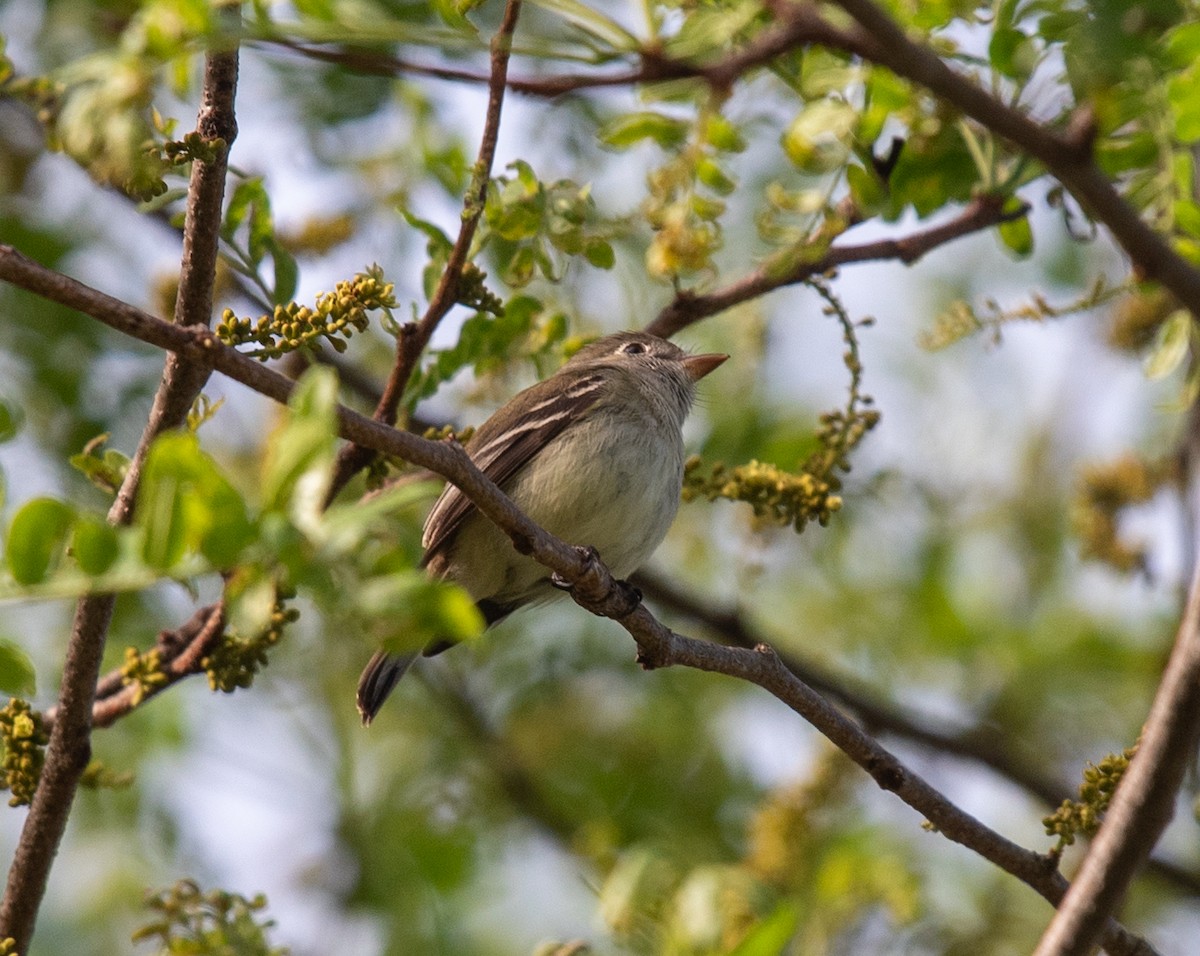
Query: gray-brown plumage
point(593, 454)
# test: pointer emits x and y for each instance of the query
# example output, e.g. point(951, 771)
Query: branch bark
point(978, 744)
point(592, 585)
point(415, 336)
point(803, 26)
point(1067, 155)
point(689, 307)
point(1145, 799)
point(69, 749)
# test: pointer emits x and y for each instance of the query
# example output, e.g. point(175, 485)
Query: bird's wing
point(506, 442)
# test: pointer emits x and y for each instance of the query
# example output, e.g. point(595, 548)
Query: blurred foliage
point(1105, 491)
point(192, 921)
point(690, 817)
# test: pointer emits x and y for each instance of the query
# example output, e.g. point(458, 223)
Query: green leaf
point(105, 471)
point(94, 544)
point(246, 195)
point(600, 254)
point(819, 138)
point(865, 189)
point(185, 505)
point(721, 134)
point(1016, 234)
point(346, 525)
point(36, 538)
point(299, 461)
point(1187, 216)
point(287, 273)
point(632, 128)
point(1013, 53)
point(708, 28)
point(408, 611)
point(262, 226)
point(1183, 93)
point(438, 248)
point(10, 420)
point(1170, 345)
point(593, 22)
point(710, 172)
point(771, 936)
point(17, 675)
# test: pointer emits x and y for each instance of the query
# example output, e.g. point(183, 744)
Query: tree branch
point(802, 27)
point(180, 651)
point(69, 749)
point(689, 307)
point(1145, 799)
point(979, 744)
point(591, 584)
point(1068, 155)
point(415, 336)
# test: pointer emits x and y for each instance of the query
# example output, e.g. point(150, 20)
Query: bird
point(594, 454)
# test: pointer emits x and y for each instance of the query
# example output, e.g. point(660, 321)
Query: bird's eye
point(633, 348)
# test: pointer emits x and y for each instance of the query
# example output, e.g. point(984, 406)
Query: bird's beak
point(700, 365)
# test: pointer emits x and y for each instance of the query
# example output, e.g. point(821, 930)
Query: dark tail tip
point(378, 680)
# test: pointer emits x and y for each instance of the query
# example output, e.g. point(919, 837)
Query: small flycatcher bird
point(593, 454)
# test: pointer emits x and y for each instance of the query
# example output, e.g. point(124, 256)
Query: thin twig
point(592, 585)
point(69, 749)
point(689, 307)
point(660, 647)
point(415, 336)
point(653, 66)
point(181, 651)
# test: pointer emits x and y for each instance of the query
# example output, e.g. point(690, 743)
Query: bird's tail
point(378, 679)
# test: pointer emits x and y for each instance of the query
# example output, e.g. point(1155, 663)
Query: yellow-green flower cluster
point(1104, 490)
point(96, 776)
point(1084, 815)
point(190, 920)
point(144, 672)
point(235, 660)
point(775, 495)
point(810, 493)
point(472, 291)
point(338, 313)
point(193, 146)
point(25, 740)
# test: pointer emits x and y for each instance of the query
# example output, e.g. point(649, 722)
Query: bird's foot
point(615, 602)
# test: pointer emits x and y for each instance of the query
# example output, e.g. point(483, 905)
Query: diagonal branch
point(69, 749)
point(1068, 155)
point(690, 307)
point(181, 652)
point(1145, 799)
point(977, 744)
point(415, 336)
point(591, 584)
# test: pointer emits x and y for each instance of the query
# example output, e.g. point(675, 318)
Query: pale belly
point(621, 502)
